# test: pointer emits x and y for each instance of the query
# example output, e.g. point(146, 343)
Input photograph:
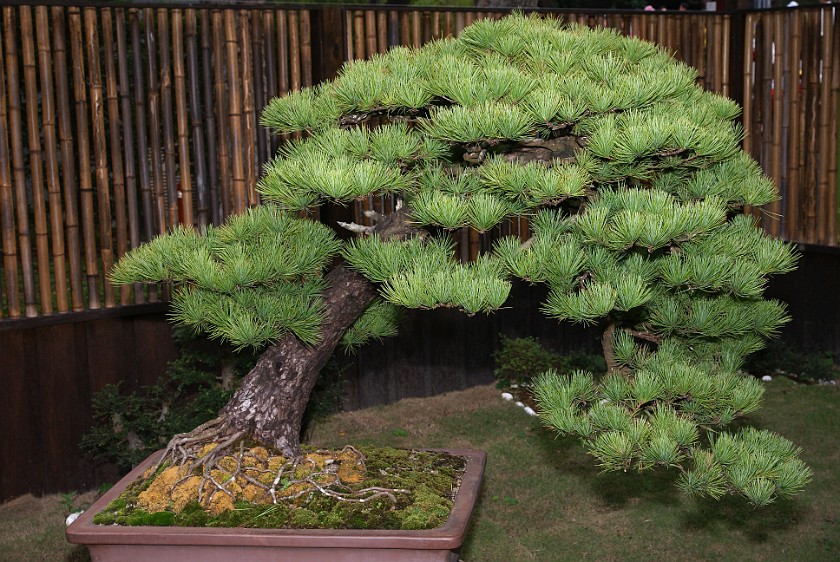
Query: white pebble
point(605, 401)
point(72, 517)
point(530, 411)
point(507, 396)
point(520, 404)
point(767, 378)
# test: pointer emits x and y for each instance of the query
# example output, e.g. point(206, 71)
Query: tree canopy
point(634, 182)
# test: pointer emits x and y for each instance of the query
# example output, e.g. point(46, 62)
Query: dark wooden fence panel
point(49, 373)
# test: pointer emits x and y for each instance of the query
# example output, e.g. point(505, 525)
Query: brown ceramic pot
point(112, 543)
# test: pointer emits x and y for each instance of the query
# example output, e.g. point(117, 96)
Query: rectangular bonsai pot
point(112, 543)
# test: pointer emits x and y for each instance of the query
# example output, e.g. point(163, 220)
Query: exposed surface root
point(214, 466)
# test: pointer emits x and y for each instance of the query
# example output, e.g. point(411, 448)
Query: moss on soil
point(430, 478)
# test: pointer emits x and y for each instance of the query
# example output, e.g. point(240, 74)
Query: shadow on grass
point(735, 513)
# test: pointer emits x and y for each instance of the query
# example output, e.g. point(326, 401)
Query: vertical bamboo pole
point(359, 51)
point(749, 91)
point(393, 28)
point(833, 180)
point(826, 193)
point(778, 97)
point(195, 117)
point(348, 35)
point(248, 120)
point(272, 88)
point(235, 114)
point(113, 107)
point(207, 63)
point(437, 32)
point(381, 31)
point(144, 174)
point(793, 170)
point(306, 76)
point(51, 157)
point(258, 51)
point(128, 144)
point(100, 151)
point(185, 202)
point(173, 199)
point(416, 32)
point(809, 210)
point(723, 57)
point(294, 51)
point(36, 171)
point(153, 107)
point(68, 168)
point(283, 78)
point(405, 29)
point(449, 24)
point(220, 89)
point(460, 23)
point(83, 145)
point(370, 32)
point(7, 204)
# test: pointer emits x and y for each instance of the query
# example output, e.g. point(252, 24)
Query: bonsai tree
point(634, 184)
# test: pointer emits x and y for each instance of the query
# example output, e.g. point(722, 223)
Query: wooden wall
point(48, 373)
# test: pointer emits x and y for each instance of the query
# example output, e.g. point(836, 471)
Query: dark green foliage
point(129, 426)
point(518, 360)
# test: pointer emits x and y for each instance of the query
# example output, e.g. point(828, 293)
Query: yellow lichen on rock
point(158, 496)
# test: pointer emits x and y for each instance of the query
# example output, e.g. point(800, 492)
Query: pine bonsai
point(635, 185)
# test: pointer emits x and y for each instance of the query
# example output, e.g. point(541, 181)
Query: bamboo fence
point(119, 121)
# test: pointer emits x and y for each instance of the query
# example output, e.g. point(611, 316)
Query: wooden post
point(199, 161)
point(7, 205)
point(184, 201)
point(235, 113)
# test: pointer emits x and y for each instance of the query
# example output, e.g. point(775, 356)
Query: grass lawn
point(543, 498)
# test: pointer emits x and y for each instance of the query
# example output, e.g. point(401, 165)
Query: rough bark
point(271, 399)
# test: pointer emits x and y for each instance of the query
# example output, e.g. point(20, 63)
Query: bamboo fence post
point(36, 170)
point(153, 108)
point(68, 169)
point(83, 144)
point(283, 78)
point(460, 23)
point(235, 114)
point(51, 157)
point(195, 117)
point(748, 84)
point(833, 180)
point(220, 89)
point(248, 119)
point(405, 29)
point(144, 176)
point(809, 208)
point(359, 51)
point(776, 143)
point(294, 51)
point(272, 88)
point(113, 107)
point(416, 37)
point(826, 194)
point(171, 174)
point(794, 164)
point(100, 151)
point(128, 141)
point(7, 205)
point(185, 204)
point(258, 51)
point(767, 93)
point(381, 31)
point(370, 32)
point(305, 32)
point(215, 205)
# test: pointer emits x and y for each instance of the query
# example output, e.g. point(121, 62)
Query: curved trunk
point(271, 399)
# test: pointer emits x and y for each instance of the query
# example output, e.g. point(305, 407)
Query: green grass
point(543, 498)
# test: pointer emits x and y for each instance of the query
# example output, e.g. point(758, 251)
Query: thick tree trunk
point(271, 399)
